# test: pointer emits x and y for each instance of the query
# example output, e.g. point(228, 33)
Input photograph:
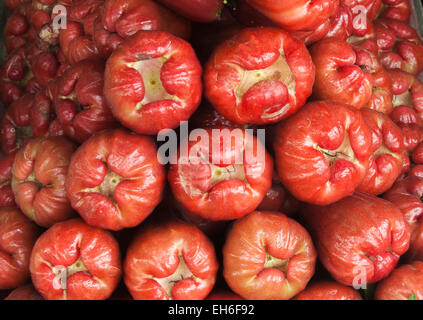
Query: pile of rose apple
point(90, 210)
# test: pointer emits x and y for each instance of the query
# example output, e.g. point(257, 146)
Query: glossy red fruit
point(38, 182)
point(174, 260)
point(7, 199)
point(405, 283)
point(396, 9)
point(345, 237)
point(322, 153)
point(25, 292)
point(121, 19)
point(13, 4)
point(328, 290)
point(81, 107)
point(15, 125)
point(296, 14)
point(406, 194)
point(162, 79)
point(43, 116)
point(197, 10)
point(338, 74)
point(17, 28)
point(260, 75)
point(73, 261)
point(17, 237)
point(388, 152)
point(115, 179)
point(400, 46)
point(407, 91)
point(224, 175)
point(268, 256)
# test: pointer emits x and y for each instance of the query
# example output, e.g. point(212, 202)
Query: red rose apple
point(260, 75)
point(39, 173)
point(359, 238)
point(296, 14)
point(115, 179)
point(405, 283)
point(406, 194)
point(322, 153)
point(400, 46)
point(7, 199)
point(161, 77)
point(224, 175)
point(170, 261)
point(328, 290)
point(396, 9)
point(338, 74)
point(121, 19)
point(81, 107)
point(73, 261)
point(25, 292)
point(388, 152)
point(15, 125)
point(268, 256)
point(17, 237)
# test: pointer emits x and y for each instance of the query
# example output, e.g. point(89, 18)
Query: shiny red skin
point(197, 10)
point(43, 117)
point(407, 90)
point(396, 10)
point(416, 170)
point(406, 194)
point(341, 24)
point(402, 284)
point(7, 199)
point(328, 290)
point(296, 14)
point(38, 183)
point(400, 46)
point(224, 189)
point(278, 71)
point(158, 253)
point(76, 41)
point(28, 63)
point(17, 28)
point(81, 107)
point(123, 18)
point(338, 75)
point(115, 179)
point(360, 235)
point(223, 295)
point(388, 151)
point(25, 292)
point(367, 59)
point(322, 153)
point(172, 88)
point(90, 255)
point(76, 45)
point(268, 256)
point(15, 125)
point(17, 237)
point(371, 7)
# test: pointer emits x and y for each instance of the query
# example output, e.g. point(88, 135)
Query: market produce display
point(211, 150)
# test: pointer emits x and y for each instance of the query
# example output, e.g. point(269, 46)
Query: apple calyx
point(278, 71)
point(344, 151)
point(219, 174)
point(181, 273)
point(109, 184)
point(150, 70)
point(276, 263)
